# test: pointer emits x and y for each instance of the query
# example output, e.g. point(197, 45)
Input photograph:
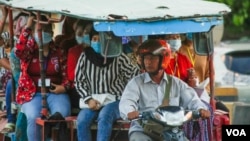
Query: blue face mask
point(83, 39)
point(96, 46)
point(46, 37)
point(174, 44)
point(86, 39)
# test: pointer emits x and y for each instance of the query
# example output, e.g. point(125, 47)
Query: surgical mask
point(46, 37)
point(174, 44)
point(96, 46)
point(83, 39)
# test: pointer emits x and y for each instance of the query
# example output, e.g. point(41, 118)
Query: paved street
point(227, 78)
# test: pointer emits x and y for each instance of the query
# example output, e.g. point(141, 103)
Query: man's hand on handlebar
point(133, 115)
point(204, 113)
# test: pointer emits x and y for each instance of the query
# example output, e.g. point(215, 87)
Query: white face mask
point(174, 44)
point(46, 37)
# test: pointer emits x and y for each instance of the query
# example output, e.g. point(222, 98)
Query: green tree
point(237, 22)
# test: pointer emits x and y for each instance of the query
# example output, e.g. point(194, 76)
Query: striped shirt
point(112, 79)
point(3, 54)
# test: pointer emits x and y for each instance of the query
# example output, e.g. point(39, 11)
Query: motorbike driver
point(146, 91)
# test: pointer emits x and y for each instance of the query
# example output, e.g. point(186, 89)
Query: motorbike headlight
point(173, 119)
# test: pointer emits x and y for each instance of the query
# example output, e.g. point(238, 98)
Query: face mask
point(83, 39)
point(96, 46)
point(174, 44)
point(78, 39)
point(86, 39)
point(46, 37)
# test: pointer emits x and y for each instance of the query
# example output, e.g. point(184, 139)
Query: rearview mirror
point(203, 43)
point(111, 45)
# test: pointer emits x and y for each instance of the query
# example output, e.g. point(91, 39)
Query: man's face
point(151, 63)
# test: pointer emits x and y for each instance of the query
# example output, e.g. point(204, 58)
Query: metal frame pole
point(44, 111)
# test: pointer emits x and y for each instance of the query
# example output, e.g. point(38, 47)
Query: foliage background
point(236, 23)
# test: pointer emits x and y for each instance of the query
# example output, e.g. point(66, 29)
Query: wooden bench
point(226, 93)
point(43, 123)
point(119, 125)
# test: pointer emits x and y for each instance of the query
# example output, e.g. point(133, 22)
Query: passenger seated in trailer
point(201, 65)
point(29, 90)
point(6, 81)
point(100, 76)
point(82, 36)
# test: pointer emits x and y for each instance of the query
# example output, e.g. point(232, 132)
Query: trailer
point(134, 18)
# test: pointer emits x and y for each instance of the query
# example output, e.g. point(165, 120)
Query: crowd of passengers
point(80, 73)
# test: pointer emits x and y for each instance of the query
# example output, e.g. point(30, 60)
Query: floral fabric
point(28, 53)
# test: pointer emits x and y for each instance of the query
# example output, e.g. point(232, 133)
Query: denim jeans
point(21, 127)
point(55, 103)
point(105, 118)
point(10, 116)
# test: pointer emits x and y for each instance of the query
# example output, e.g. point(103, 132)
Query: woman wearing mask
point(179, 63)
point(100, 76)
point(29, 90)
point(82, 29)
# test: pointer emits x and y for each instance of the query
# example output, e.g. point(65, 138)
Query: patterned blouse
point(28, 53)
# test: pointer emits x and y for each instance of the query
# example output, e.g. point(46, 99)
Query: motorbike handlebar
point(188, 115)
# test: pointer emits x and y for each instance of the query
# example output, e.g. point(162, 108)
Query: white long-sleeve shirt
point(142, 94)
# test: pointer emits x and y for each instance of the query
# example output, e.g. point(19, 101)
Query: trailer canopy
point(132, 17)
